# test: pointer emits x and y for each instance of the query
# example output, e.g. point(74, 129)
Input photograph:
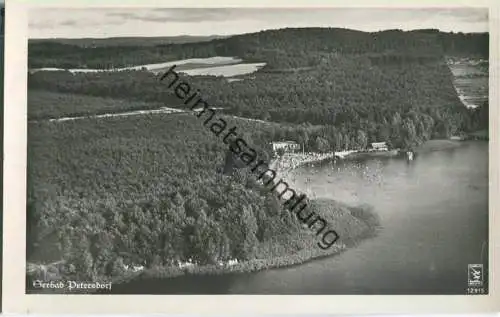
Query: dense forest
point(403, 104)
point(280, 48)
point(53, 105)
point(127, 41)
point(150, 189)
point(389, 86)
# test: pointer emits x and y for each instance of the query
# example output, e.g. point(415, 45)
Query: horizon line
point(231, 35)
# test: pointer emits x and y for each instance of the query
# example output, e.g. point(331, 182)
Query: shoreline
point(291, 161)
point(365, 225)
point(302, 256)
point(294, 160)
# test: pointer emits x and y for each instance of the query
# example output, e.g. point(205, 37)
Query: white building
point(379, 146)
point(285, 145)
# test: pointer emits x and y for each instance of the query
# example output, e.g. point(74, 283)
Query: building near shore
point(379, 146)
point(287, 146)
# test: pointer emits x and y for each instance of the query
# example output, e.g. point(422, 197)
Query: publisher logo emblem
point(475, 274)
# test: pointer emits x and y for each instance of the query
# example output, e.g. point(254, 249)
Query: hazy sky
point(104, 22)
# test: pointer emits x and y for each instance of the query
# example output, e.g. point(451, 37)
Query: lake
point(434, 213)
point(225, 66)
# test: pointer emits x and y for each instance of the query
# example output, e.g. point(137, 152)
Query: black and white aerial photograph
point(268, 151)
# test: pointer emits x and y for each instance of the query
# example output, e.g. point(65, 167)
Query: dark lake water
point(434, 213)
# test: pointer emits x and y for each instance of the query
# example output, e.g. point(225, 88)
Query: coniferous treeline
point(127, 41)
point(353, 94)
point(149, 191)
point(361, 83)
point(52, 105)
point(282, 48)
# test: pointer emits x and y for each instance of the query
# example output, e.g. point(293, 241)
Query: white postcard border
point(15, 135)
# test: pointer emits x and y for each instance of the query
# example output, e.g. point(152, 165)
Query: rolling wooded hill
point(280, 48)
point(148, 189)
point(390, 85)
